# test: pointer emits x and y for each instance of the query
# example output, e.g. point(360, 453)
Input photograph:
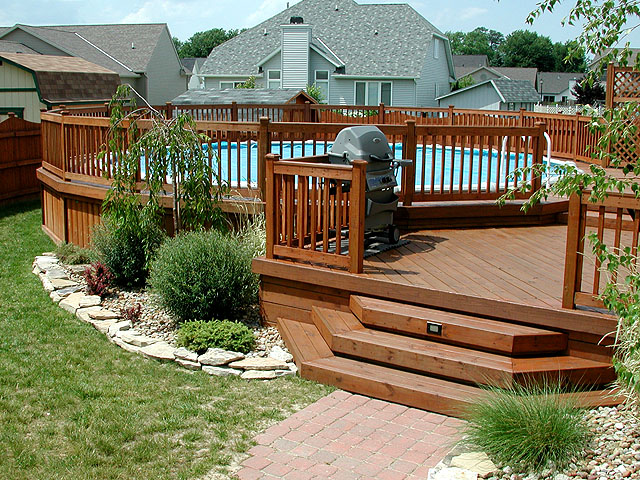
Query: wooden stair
point(432, 359)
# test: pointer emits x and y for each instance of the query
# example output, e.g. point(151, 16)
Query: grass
point(72, 405)
point(530, 428)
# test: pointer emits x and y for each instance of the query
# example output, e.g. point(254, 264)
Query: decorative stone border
point(70, 296)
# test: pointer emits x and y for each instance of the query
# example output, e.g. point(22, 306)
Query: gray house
point(558, 86)
point(142, 55)
point(495, 94)
point(356, 54)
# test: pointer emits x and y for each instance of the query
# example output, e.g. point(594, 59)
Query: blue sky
point(186, 17)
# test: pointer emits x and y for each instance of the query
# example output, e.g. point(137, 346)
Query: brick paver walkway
point(344, 436)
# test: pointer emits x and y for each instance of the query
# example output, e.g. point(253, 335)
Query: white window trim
point(436, 47)
point(327, 81)
point(366, 90)
point(269, 80)
point(235, 83)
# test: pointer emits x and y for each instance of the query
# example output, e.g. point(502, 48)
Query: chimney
point(296, 40)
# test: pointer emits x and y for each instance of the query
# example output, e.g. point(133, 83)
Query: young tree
point(589, 93)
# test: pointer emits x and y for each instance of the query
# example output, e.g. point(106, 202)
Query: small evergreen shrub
point(70, 254)
point(531, 428)
point(98, 278)
point(126, 248)
point(205, 275)
point(199, 335)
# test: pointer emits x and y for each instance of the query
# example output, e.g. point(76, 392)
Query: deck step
point(346, 336)
point(316, 362)
point(457, 329)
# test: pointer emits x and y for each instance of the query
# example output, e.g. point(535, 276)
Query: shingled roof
point(556, 82)
point(383, 40)
point(510, 91)
point(259, 96)
point(14, 47)
point(66, 79)
point(124, 49)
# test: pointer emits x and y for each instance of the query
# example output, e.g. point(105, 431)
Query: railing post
point(610, 85)
point(63, 144)
point(539, 153)
point(168, 110)
point(356, 216)
point(307, 111)
point(521, 117)
point(574, 145)
point(264, 147)
point(451, 115)
point(234, 111)
point(270, 208)
point(572, 255)
point(409, 173)
point(381, 114)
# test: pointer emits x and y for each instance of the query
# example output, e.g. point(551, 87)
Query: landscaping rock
point(78, 269)
point(72, 302)
point(184, 354)
point(65, 292)
point(258, 375)
point(134, 338)
point(221, 371)
point(187, 364)
point(55, 297)
point(259, 363)
point(475, 461)
point(118, 326)
point(56, 271)
point(43, 262)
point(217, 357)
point(101, 325)
point(285, 373)
point(452, 473)
point(125, 345)
point(159, 351)
point(60, 283)
point(89, 301)
point(84, 314)
point(46, 283)
point(278, 353)
point(103, 314)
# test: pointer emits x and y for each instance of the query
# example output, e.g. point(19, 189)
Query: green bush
point(528, 427)
point(199, 335)
point(126, 248)
point(205, 275)
point(70, 254)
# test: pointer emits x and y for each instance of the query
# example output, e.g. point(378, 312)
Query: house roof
point(631, 60)
point(473, 61)
point(262, 96)
point(518, 73)
point(66, 79)
point(14, 47)
point(510, 91)
point(382, 40)
point(124, 49)
point(190, 62)
point(556, 82)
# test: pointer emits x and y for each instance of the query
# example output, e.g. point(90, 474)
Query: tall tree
point(523, 48)
point(200, 44)
point(569, 57)
point(480, 41)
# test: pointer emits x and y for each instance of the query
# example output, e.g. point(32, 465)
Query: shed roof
point(556, 82)
point(382, 40)
point(510, 91)
point(66, 79)
point(262, 96)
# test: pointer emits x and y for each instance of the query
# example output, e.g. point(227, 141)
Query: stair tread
point(481, 333)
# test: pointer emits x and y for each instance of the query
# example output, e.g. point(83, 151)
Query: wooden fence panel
point(20, 157)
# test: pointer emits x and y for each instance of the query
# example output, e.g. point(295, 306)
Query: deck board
point(523, 264)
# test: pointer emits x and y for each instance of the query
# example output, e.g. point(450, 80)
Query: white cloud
point(472, 12)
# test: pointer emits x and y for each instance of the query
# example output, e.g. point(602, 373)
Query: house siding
point(482, 97)
point(403, 92)
point(163, 72)
point(14, 77)
point(295, 55)
point(434, 72)
point(274, 63)
point(484, 75)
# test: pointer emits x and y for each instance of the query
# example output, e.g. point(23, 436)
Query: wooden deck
point(518, 264)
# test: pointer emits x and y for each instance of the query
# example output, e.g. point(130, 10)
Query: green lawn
point(74, 406)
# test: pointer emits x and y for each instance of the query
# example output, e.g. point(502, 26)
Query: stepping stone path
point(69, 295)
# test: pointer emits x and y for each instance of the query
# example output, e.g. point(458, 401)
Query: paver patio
point(346, 436)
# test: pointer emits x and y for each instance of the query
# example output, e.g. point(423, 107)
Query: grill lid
point(363, 142)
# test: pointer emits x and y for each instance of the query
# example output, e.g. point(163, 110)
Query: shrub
point(98, 278)
point(199, 335)
point(72, 255)
point(126, 248)
point(132, 313)
point(528, 427)
point(205, 275)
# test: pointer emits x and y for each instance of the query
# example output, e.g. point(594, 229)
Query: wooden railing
point(315, 211)
point(616, 222)
point(20, 156)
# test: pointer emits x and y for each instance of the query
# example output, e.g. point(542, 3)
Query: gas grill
point(368, 143)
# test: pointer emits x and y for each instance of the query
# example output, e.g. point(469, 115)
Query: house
point(632, 59)
point(143, 55)
point(558, 86)
point(465, 64)
point(356, 54)
point(481, 74)
point(494, 94)
point(192, 67)
point(29, 83)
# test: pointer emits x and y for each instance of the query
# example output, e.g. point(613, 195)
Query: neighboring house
point(192, 67)
point(356, 54)
point(558, 86)
point(143, 55)
point(494, 94)
point(29, 83)
point(465, 64)
point(481, 74)
point(631, 60)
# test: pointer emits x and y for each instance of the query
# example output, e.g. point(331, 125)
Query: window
point(549, 98)
point(373, 93)
point(322, 82)
point(274, 79)
point(226, 85)
point(436, 47)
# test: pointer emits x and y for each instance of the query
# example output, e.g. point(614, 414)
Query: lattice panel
point(626, 84)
